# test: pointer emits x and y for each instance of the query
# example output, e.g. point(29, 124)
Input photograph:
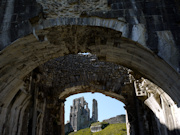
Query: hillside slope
point(112, 129)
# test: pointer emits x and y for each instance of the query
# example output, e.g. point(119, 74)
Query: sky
point(107, 107)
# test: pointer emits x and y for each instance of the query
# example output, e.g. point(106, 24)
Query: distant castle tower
point(94, 110)
point(80, 114)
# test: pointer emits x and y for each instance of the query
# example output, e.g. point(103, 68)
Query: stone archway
point(31, 33)
point(73, 74)
point(40, 103)
point(28, 53)
point(117, 82)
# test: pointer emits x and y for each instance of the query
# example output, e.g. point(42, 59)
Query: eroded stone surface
point(72, 8)
point(117, 119)
point(77, 70)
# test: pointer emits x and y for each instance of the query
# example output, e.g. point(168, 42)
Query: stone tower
point(94, 110)
point(80, 114)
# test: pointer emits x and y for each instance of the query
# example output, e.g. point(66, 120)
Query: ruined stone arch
point(29, 52)
point(109, 47)
point(59, 80)
point(125, 31)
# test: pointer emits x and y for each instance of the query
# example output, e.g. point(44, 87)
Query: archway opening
point(84, 110)
point(107, 107)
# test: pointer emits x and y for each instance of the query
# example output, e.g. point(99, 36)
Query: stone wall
point(72, 8)
point(152, 24)
point(68, 128)
point(15, 19)
point(117, 119)
point(141, 35)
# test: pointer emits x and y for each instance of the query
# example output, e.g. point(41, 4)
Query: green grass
point(99, 123)
point(85, 131)
point(112, 129)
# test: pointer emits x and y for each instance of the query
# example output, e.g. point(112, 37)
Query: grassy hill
point(112, 129)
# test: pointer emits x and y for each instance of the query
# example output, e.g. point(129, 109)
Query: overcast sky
point(107, 107)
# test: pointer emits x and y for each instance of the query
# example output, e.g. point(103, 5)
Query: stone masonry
point(117, 119)
point(80, 114)
point(38, 71)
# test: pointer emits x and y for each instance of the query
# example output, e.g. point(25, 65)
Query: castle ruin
point(80, 114)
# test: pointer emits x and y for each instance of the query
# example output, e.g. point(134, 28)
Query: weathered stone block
point(96, 127)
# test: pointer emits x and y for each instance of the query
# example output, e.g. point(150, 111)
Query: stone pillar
point(35, 89)
point(95, 111)
point(62, 117)
point(34, 123)
point(78, 114)
point(127, 124)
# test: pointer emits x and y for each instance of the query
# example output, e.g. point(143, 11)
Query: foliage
point(112, 129)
